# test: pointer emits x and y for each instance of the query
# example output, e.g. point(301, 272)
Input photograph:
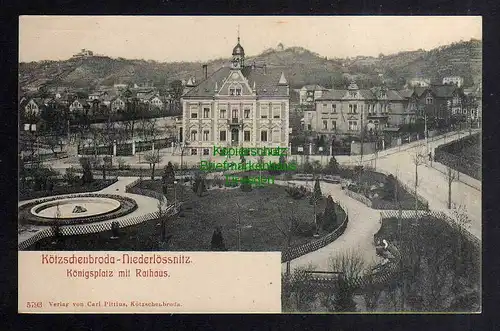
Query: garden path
point(363, 223)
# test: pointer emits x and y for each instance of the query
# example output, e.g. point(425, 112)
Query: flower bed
point(96, 185)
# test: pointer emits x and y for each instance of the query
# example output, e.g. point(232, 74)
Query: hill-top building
point(238, 105)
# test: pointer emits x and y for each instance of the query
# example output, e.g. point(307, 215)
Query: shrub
point(333, 166)
point(245, 185)
point(122, 164)
point(316, 196)
point(302, 228)
point(199, 186)
point(329, 219)
point(217, 243)
point(71, 175)
point(296, 193)
point(87, 176)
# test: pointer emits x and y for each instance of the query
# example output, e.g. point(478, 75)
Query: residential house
point(347, 112)
point(118, 104)
point(156, 102)
point(453, 80)
point(418, 82)
point(97, 95)
point(33, 106)
point(238, 105)
point(79, 105)
point(309, 93)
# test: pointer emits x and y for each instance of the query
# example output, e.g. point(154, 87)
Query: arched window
point(235, 90)
point(194, 135)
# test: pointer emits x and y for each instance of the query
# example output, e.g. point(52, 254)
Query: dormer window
point(428, 100)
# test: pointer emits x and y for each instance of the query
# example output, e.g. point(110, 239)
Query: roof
point(406, 93)
point(265, 84)
point(82, 101)
point(314, 88)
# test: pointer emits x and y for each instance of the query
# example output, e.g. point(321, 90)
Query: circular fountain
point(77, 209)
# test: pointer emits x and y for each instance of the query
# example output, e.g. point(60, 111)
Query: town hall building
point(238, 105)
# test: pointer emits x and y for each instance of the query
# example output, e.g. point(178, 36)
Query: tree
point(217, 243)
point(461, 223)
point(87, 176)
point(451, 176)
point(153, 158)
point(349, 265)
point(199, 186)
point(168, 177)
point(177, 89)
point(418, 159)
point(329, 221)
point(333, 166)
point(245, 184)
point(316, 195)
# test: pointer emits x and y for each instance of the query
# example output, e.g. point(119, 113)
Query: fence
point(297, 251)
point(410, 214)
point(71, 230)
point(358, 197)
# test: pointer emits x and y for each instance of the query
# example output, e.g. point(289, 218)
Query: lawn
point(259, 212)
point(374, 186)
point(61, 187)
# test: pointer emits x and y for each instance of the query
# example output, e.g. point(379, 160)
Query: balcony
point(377, 115)
point(235, 121)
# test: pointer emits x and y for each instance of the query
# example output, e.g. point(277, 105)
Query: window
point(206, 134)
point(334, 125)
point(350, 108)
point(238, 91)
point(194, 115)
point(325, 125)
point(264, 112)
point(247, 113)
point(194, 151)
point(222, 113)
point(263, 135)
point(309, 127)
point(235, 113)
point(206, 151)
point(194, 135)
point(353, 125)
point(276, 136)
point(206, 112)
point(334, 108)
point(246, 135)
point(355, 109)
point(222, 135)
point(353, 94)
point(276, 111)
point(232, 91)
point(428, 101)
point(325, 105)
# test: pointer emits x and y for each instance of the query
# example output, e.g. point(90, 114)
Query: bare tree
point(153, 158)
point(350, 266)
point(286, 229)
point(451, 176)
point(418, 159)
point(371, 290)
point(298, 292)
point(461, 223)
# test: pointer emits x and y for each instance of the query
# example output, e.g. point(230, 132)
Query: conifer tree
point(316, 195)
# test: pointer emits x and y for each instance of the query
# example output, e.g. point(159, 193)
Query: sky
point(202, 38)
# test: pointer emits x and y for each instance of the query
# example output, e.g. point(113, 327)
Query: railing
point(297, 251)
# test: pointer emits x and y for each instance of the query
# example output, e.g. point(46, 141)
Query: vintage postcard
point(250, 164)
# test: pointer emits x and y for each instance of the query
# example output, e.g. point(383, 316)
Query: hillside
point(300, 66)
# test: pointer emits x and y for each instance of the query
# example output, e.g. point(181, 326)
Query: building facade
point(346, 112)
point(309, 93)
point(238, 105)
point(453, 80)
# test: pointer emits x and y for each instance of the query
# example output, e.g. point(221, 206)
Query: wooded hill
point(300, 65)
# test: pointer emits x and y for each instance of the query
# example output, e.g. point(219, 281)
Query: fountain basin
point(92, 206)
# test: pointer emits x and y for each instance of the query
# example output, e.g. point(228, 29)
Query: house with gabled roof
point(79, 105)
point(309, 93)
point(237, 105)
point(349, 111)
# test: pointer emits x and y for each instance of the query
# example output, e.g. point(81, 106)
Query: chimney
point(205, 71)
point(265, 69)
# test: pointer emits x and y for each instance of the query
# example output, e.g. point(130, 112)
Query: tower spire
point(238, 33)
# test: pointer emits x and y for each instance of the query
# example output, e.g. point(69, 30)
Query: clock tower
point(238, 61)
